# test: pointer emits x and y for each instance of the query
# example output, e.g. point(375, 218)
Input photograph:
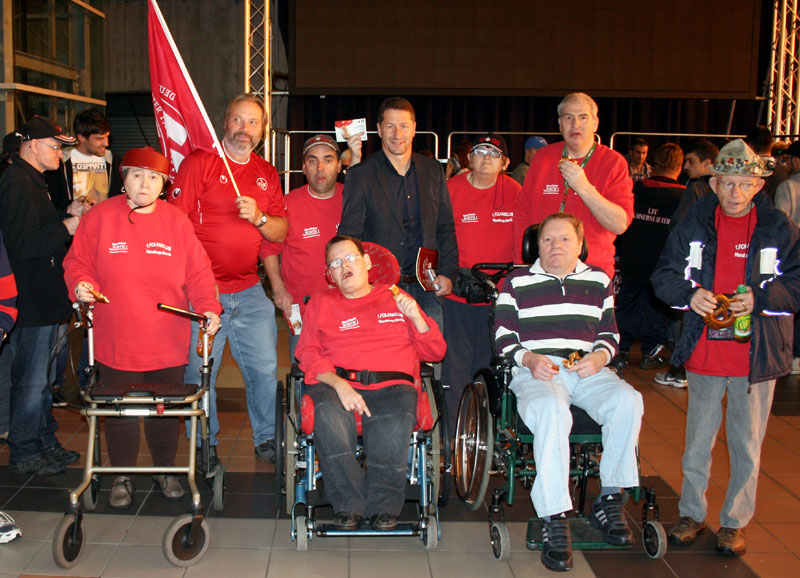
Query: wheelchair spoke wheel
point(219, 488)
point(440, 446)
point(280, 438)
point(289, 449)
point(501, 541)
point(655, 539)
point(474, 444)
point(68, 541)
point(181, 546)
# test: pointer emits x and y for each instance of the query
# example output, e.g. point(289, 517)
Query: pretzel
point(395, 290)
point(722, 316)
point(97, 295)
point(571, 360)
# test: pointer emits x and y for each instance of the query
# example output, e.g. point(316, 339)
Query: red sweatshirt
point(155, 259)
point(364, 333)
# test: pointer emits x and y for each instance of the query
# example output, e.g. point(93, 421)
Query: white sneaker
point(665, 378)
point(795, 366)
point(8, 529)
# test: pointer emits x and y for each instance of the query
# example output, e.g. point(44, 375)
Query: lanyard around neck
point(583, 163)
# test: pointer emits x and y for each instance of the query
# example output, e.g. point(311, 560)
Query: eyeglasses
point(487, 152)
point(349, 258)
point(54, 147)
point(728, 186)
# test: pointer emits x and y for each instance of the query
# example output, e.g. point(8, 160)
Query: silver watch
point(262, 221)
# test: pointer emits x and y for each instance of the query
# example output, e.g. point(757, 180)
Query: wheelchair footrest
point(403, 529)
point(584, 535)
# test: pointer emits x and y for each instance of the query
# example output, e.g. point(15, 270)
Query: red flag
point(181, 118)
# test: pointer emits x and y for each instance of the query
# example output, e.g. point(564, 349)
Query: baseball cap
point(491, 140)
point(535, 142)
point(146, 158)
point(42, 127)
point(321, 139)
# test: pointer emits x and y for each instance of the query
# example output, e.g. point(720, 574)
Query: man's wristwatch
point(262, 221)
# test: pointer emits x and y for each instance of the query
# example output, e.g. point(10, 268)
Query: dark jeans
point(427, 300)
point(122, 433)
point(466, 330)
point(796, 343)
point(24, 360)
point(386, 437)
point(641, 314)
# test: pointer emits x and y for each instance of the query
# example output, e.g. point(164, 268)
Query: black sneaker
point(347, 521)
point(38, 466)
point(621, 360)
point(384, 522)
point(58, 453)
point(655, 358)
point(213, 460)
point(556, 544)
point(266, 451)
point(607, 515)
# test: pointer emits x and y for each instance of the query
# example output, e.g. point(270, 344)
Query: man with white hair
point(734, 241)
point(580, 177)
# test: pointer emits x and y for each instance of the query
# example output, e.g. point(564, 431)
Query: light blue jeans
point(248, 324)
point(745, 427)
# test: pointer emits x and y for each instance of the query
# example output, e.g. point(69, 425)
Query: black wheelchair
point(491, 439)
point(188, 537)
point(301, 484)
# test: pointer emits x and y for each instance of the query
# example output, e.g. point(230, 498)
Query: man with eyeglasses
point(36, 238)
point(360, 350)
point(733, 238)
point(483, 209)
point(581, 177)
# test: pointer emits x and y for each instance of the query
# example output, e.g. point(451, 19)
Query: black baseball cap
point(42, 127)
point(491, 140)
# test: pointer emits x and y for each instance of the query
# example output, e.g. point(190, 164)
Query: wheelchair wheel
point(501, 542)
point(655, 539)
point(301, 533)
point(474, 444)
point(289, 450)
point(440, 446)
point(219, 488)
point(280, 429)
point(68, 541)
point(181, 547)
point(430, 535)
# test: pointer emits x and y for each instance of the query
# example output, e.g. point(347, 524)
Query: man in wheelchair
point(555, 308)
point(360, 350)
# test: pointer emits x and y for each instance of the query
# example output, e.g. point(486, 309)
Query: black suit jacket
point(370, 211)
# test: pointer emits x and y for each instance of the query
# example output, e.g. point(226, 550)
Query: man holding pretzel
point(231, 224)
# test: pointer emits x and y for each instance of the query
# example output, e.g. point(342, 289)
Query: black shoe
point(621, 360)
point(556, 544)
point(384, 522)
point(607, 515)
point(57, 453)
point(655, 358)
point(39, 466)
point(266, 451)
point(213, 460)
point(347, 521)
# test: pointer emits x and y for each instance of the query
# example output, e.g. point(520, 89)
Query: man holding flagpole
point(234, 202)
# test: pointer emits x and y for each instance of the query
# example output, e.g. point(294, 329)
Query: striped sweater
point(539, 312)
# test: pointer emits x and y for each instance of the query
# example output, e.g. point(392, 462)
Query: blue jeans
point(24, 359)
point(427, 300)
point(248, 324)
point(386, 437)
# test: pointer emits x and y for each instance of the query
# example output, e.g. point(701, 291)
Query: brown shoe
point(685, 531)
point(731, 541)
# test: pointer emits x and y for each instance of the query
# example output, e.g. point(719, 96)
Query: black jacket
point(36, 241)
point(59, 182)
point(776, 293)
point(370, 211)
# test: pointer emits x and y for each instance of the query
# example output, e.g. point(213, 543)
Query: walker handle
point(183, 312)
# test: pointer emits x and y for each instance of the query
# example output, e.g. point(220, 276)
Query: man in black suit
point(399, 199)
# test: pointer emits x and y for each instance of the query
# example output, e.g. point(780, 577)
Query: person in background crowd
point(532, 146)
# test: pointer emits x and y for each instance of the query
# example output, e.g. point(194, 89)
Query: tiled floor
point(249, 539)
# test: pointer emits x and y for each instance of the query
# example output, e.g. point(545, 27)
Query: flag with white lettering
point(181, 118)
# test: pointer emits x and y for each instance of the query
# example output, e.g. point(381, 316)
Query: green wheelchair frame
point(491, 439)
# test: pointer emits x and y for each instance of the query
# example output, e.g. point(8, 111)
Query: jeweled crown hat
point(738, 159)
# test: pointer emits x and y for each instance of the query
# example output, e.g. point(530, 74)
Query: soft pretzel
point(722, 316)
point(571, 360)
point(395, 290)
point(97, 295)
